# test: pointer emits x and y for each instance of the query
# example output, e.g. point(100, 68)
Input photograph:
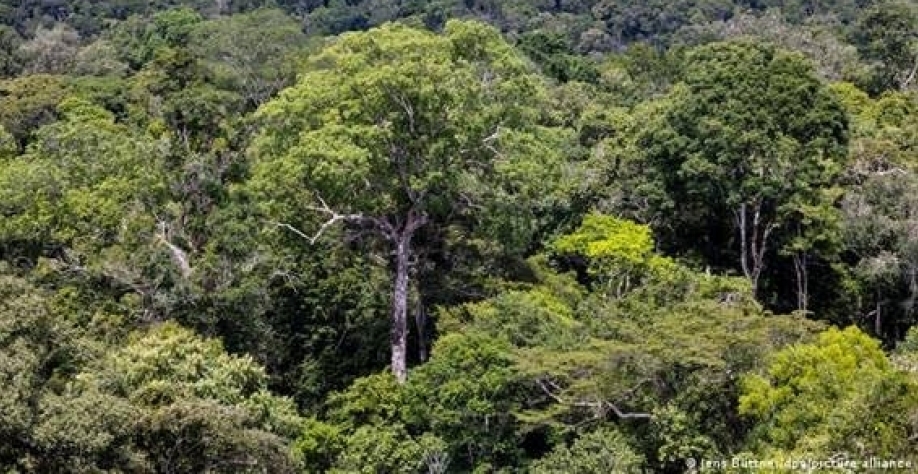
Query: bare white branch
point(333, 218)
point(179, 256)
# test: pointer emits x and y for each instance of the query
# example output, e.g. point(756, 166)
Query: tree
point(463, 400)
point(254, 54)
point(200, 408)
point(29, 102)
point(602, 450)
point(99, 58)
point(887, 34)
point(837, 394)
point(390, 130)
point(51, 51)
point(620, 252)
point(879, 212)
point(832, 57)
point(10, 56)
point(751, 133)
point(654, 21)
point(880, 230)
point(78, 185)
point(35, 351)
point(660, 362)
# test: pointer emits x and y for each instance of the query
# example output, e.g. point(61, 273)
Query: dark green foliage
point(603, 450)
point(887, 35)
point(557, 58)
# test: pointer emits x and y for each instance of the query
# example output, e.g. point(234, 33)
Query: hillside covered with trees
point(444, 236)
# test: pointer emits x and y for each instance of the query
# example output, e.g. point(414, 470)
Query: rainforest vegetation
point(456, 236)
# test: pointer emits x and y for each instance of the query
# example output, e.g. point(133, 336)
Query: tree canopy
point(445, 236)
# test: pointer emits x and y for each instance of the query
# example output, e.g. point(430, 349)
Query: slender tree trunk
point(744, 241)
point(399, 335)
point(912, 272)
point(420, 321)
point(753, 240)
point(878, 317)
point(800, 268)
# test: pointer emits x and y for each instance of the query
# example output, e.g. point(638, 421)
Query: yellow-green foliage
point(837, 394)
point(618, 250)
point(79, 182)
point(169, 364)
point(607, 237)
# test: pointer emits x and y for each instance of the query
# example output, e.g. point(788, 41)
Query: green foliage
point(319, 445)
point(563, 193)
point(605, 237)
point(393, 135)
point(792, 120)
point(10, 56)
point(372, 104)
point(43, 429)
point(655, 20)
point(139, 40)
point(668, 353)
point(255, 54)
point(886, 34)
point(462, 400)
point(78, 181)
point(556, 57)
point(465, 396)
point(8, 146)
point(68, 408)
point(385, 449)
point(188, 387)
point(28, 102)
point(746, 153)
point(530, 318)
point(602, 450)
point(833, 395)
point(620, 252)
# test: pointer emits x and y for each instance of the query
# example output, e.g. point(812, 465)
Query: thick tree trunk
point(399, 335)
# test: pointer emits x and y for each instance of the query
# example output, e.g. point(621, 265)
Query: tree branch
point(179, 256)
point(911, 76)
point(382, 225)
point(487, 143)
point(334, 217)
point(600, 407)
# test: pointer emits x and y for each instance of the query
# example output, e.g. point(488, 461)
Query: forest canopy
point(443, 236)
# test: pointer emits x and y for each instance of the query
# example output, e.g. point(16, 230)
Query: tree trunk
point(399, 335)
point(878, 317)
point(420, 321)
point(753, 241)
point(800, 268)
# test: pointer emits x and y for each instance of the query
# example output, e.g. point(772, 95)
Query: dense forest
point(450, 236)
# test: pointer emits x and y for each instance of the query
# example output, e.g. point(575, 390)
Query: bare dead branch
point(290, 228)
point(623, 415)
point(910, 77)
point(179, 256)
point(334, 218)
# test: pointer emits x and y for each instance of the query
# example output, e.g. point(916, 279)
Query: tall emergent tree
point(396, 129)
